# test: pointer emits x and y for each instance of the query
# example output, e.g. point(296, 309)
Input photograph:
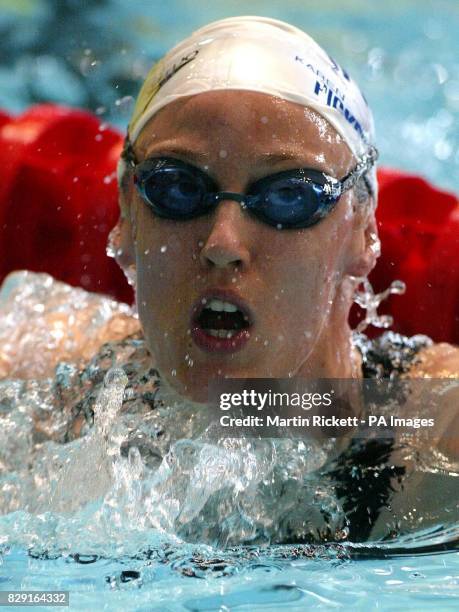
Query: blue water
point(400, 583)
point(94, 54)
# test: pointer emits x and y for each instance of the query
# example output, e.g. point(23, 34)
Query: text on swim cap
point(334, 101)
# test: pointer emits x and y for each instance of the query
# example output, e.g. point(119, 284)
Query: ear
point(365, 247)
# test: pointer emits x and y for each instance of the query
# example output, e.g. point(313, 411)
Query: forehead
point(245, 121)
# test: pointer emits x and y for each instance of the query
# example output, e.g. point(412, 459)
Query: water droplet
point(124, 105)
point(110, 177)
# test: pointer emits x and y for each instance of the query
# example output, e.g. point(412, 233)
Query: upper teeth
point(219, 306)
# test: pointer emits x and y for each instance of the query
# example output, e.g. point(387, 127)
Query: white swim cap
point(264, 55)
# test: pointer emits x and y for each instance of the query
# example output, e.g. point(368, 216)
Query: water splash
point(370, 301)
point(149, 469)
point(88, 472)
point(42, 316)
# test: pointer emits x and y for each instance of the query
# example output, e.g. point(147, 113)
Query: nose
point(227, 243)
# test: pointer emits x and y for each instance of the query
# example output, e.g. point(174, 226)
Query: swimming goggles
point(291, 199)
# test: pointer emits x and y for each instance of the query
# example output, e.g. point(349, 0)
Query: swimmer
point(247, 196)
point(248, 192)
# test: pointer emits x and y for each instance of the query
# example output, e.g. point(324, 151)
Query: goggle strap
point(128, 153)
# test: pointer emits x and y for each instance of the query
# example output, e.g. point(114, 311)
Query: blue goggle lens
point(290, 201)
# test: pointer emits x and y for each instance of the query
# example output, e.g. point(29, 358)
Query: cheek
point(304, 270)
point(165, 262)
point(303, 265)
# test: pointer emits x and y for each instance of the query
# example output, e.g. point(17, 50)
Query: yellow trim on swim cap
point(148, 91)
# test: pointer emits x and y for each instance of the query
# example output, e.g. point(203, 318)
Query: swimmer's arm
point(441, 361)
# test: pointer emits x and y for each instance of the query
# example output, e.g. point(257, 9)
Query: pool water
point(317, 582)
point(404, 55)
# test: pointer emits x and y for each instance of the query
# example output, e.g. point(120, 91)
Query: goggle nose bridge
point(242, 199)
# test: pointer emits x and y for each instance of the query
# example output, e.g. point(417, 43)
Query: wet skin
point(295, 282)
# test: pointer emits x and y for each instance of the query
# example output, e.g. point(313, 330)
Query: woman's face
point(284, 282)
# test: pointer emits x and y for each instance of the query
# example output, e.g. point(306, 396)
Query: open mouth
point(221, 323)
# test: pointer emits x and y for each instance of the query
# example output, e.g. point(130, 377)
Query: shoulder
point(439, 360)
point(132, 356)
point(390, 354)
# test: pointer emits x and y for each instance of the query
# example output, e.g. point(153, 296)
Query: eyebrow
point(270, 159)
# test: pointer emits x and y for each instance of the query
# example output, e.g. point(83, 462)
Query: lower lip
point(210, 344)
